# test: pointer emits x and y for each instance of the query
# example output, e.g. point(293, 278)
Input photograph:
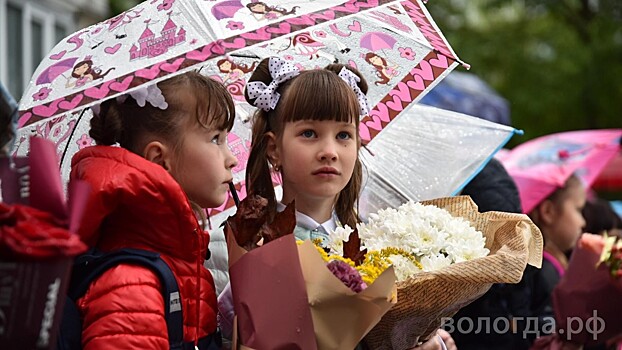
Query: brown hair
point(557, 197)
point(600, 216)
point(131, 125)
point(318, 94)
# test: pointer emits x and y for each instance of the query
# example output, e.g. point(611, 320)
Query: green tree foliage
point(558, 62)
point(118, 6)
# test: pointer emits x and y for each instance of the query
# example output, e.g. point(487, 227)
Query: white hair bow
point(352, 79)
point(266, 97)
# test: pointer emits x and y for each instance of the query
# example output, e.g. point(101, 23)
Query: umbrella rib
point(70, 137)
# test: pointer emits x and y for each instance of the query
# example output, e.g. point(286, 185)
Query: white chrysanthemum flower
point(336, 239)
point(404, 267)
point(435, 262)
point(432, 234)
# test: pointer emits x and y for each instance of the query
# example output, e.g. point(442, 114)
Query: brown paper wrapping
point(341, 317)
point(426, 298)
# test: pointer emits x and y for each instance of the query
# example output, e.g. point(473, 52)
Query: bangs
point(319, 95)
point(217, 111)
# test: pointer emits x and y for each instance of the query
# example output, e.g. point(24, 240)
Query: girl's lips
point(326, 171)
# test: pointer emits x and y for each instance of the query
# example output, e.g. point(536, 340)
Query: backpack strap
point(92, 264)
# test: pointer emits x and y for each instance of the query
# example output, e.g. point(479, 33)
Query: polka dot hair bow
point(266, 97)
point(352, 79)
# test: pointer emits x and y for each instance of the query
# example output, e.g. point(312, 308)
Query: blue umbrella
point(466, 93)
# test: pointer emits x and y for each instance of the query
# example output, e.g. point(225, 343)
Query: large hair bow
point(266, 97)
point(352, 80)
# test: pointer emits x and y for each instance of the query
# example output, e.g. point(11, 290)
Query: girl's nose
point(328, 151)
point(230, 160)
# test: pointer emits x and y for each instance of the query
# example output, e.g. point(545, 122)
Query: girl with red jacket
point(173, 160)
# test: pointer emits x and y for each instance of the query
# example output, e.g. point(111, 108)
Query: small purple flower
point(233, 25)
point(407, 53)
point(270, 15)
point(288, 57)
point(84, 141)
point(42, 94)
point(347, 274)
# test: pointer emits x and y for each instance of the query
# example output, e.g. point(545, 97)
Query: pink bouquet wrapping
point(37, 247)
point(588, 299)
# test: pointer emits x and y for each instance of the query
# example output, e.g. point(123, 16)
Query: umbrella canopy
point(155, 41)
point(467, 93)
point(427, 153)
point(542, 165)
point(610, 179)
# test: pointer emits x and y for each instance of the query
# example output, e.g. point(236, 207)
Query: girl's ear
point(547, 212)
point(157, 152)
point(272, 151)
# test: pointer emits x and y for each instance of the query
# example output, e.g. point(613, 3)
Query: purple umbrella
point(375, 41)
point(53, 71)
point(226, 9)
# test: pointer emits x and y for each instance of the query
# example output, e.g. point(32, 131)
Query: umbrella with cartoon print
point(542, 165)
point(164, 38)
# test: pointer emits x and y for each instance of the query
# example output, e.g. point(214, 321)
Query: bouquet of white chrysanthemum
point(445, 255)
point(435, 237)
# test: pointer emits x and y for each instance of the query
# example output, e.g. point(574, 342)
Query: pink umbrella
point(53, 71)
point(542, 165)
point(374, 41)
point(611, 177)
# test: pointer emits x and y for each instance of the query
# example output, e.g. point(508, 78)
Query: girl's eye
point(218, 138)
point(308, 133)
point(344, 135)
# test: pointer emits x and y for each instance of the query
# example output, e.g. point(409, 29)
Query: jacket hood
point(135, 203)
point(493, 189)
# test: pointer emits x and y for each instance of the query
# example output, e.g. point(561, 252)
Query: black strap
point(94, 263)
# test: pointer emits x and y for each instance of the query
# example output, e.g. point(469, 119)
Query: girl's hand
point(450, 344)
point(442, 341)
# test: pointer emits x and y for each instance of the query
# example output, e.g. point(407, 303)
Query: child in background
point(173, 161)
point(561, 222)
point(306, 131)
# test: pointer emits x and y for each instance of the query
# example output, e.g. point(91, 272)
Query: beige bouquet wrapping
point(425, 298)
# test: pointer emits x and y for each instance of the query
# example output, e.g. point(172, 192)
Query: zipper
point(198, 301)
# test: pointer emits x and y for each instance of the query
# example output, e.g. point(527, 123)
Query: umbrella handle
point(234, 194)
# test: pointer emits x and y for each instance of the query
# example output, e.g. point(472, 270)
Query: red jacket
point(137, 204)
